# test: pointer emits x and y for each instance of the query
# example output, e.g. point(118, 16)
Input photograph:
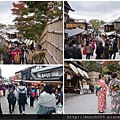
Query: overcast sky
point(102, 10)
point(9, 70)
point(6, 16)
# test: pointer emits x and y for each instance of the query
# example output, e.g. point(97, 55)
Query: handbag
point(84, 52)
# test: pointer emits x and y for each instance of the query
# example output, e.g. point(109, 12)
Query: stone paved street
point(84, 104)
point(28, 109)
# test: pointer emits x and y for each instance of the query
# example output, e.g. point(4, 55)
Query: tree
point(93, 66)
point(32, 16)
point(111, 66)
point(96, 23)
point(2, 25)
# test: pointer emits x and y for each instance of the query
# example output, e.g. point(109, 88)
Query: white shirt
point(47, 99)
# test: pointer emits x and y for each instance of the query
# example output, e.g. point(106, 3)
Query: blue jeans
point(88, 55)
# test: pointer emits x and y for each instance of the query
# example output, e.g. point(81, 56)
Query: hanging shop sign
point(44, 75)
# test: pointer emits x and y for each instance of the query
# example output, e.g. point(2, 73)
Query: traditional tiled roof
point(75, 31)
point(66, 4)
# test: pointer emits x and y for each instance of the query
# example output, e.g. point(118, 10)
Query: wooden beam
point(57, 47)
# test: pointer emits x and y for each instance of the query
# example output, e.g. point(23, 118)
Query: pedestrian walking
point(4, 89)
point(68, 78)
point(11, 100)
point(115, 48)
point(93, 46)
point(88, 49)
point(38, 55)
point(22, 97)
point(38, 93)
point(16, 56)
point(32, 96)
point(59, 97)
point(106, 50)
point(101, 90)
point(46, 102)
point(111, 48)
point(114, 91)
point(6, 55)
point(73, 51)
point(99, 50)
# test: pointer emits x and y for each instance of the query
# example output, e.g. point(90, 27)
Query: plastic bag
point(1, 92)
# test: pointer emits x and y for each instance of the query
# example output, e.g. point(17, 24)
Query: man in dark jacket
point(115, 48)
point(11, 100)
point(74, 51)
point(22, 97)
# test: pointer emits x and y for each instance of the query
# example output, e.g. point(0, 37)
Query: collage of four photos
point(59, 57)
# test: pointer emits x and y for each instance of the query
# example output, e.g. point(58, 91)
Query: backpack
point(71, 52)
point(17, 58)
point(22, 90)
point(93, 46)
point(32, 93)
point(11, 97)
point(22, 95)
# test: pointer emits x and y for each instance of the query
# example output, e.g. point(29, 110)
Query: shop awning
point(85, 74)
point(80, 71)
point(73, 68)
point(28, 42)
point(110, 33)
point(73, 32)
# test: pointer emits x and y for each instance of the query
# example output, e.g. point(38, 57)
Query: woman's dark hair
point(101, 75)
point(114, 75)
point(106, 43)
point(100, 43)
point(87, 43)
point(48, 88)
point(21, 82)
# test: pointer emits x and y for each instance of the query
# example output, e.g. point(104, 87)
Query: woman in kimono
point(114, 89)
point(102, 89)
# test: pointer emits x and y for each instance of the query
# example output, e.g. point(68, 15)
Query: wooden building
point(79, 79)
point(113, 28)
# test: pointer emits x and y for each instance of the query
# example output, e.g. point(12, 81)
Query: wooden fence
point(52, 41)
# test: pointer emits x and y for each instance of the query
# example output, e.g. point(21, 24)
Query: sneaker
point(101, 112)
point(23, 112)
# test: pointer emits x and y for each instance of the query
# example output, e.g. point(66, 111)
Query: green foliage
point(93, 66)
point(31, 20)
point(96, 23)
point(112, 66)
point(2, 25)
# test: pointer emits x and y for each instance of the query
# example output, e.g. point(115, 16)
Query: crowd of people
point(103, 48)
point(47, 97)
point(15, 53)
point(112, 89)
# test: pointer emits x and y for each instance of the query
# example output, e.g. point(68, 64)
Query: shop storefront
point(78, 80)
point(49, 74)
